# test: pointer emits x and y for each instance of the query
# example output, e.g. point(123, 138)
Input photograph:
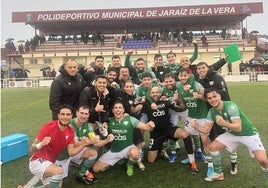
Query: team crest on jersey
point(125, 123)
point(211, 83)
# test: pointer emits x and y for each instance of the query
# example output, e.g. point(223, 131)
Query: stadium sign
point(138, 13)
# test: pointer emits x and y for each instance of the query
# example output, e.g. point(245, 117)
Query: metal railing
point(42, 82)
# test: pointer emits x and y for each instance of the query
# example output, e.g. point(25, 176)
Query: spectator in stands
point(102, 38)
point(242, 67)
point(223, 34)
point(244, 33)
point(66, 88)
point(2, 77)
point(230, 71)
point(204, 41)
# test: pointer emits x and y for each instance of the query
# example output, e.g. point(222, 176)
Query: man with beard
point(208, 78)
point(122, 127)
point(95, 68)
point(51, 140)
point(240, 130)
point(159, 114)
point(66, 87)
point(87, 156)
point(98, 99)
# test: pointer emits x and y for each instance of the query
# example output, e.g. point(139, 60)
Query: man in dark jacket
point(66, 87)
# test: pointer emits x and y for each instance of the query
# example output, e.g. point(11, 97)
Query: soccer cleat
point(200, 155)
point(130, 170)
point(215, 177)
point(83, 180)
point(172, 157)
point(210, 170)
point(185, 161)
point(102, 129)
point(164, 154)
point(233, 170)
point(194, 168)
point(91, 177)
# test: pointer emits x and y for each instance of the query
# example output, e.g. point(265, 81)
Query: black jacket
point(160, 73)
point(65, 89)
point(215, 80)
point(90, 97)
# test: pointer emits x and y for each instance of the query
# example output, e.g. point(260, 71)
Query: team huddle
point(100, 118)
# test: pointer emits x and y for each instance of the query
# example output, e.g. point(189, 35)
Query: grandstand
point(118, 25)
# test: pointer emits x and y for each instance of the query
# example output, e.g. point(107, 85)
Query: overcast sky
point(20, 31)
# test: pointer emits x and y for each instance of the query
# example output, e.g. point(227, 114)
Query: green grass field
point(26, 110)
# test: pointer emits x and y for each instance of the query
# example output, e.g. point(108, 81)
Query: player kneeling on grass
point(86, 157)
point(122, 127)
point(51, 140)
point(239, 130)
point(158, 112)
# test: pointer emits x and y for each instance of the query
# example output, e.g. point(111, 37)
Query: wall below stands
point(45, 82)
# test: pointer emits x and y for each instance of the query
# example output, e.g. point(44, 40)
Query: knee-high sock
point(197, 142)
point(87, 163)
point(54, 183)
point(188, 145)
point(172, 145)
point(165, 144)
point(233, 157)
point(216, 158)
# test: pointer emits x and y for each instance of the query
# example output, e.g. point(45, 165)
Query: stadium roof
point(195, 17)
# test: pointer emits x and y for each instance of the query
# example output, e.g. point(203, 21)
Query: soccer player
point(139, 67)
point(87, 156)
point(168, 93)
point(98, 99)
point(133, 105)
point(192, 93)
point(95, 68)
point(122, 127)
point(158, 112)
point(209, 78)
point(159, 69)
point(173, 67)
point(51, 140)
point(240, 130)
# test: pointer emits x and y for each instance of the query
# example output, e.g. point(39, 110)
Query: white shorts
point(192, 131)
point(66, 162)
point(231, 142)
point(112, 158)
point(175, 117)
point(38, 167)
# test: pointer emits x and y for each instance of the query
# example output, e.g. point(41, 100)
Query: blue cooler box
point(14, 147)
